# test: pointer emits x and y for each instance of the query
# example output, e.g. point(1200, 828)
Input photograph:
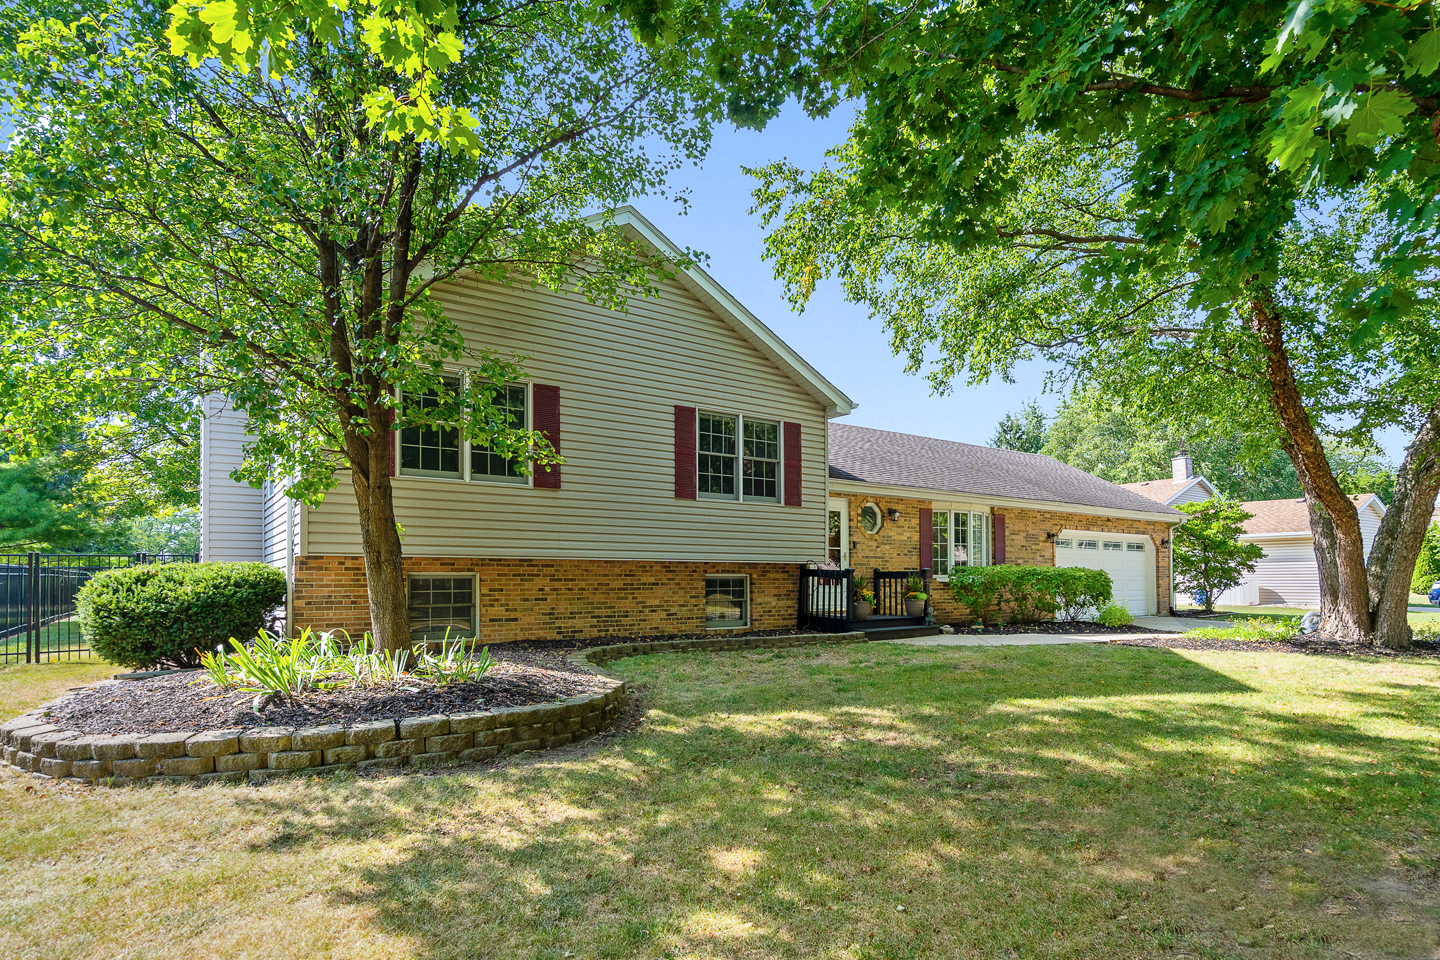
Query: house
point(697, 484)
point(1184, 485)
point(899, 501)
point(1287, 573)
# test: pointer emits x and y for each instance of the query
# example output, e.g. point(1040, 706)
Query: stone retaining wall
point(31, 743)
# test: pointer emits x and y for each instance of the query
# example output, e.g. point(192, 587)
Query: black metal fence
point(37, 600)
point(890, 590)
point(825, 599)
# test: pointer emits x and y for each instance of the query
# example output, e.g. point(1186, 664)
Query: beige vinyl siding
point(231, 514)
point(1288, 573)
point(1192, 494)
point(620, 377)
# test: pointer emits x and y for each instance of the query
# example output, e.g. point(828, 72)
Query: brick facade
point(561, 599)
point(897, 545)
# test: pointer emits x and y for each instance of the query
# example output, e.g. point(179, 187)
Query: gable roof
point(1166, 491)
point(1290, 517)
point(704, 287)
point(905, 460)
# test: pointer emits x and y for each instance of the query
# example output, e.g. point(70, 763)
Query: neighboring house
point(900, 501)
point(1288, 574)
point(693, 488)
point(1184, 485)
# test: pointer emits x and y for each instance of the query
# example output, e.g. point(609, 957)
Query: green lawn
point(63, 634)
point(1425, 619)
point(874, 801)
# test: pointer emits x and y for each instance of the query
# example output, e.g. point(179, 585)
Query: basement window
point(727, 602)
point(441, 607)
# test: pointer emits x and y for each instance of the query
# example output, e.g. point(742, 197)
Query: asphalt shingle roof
point(905, 460)
point(1284, 516)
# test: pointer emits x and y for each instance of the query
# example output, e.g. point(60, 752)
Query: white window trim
point(779, 422)
point(879, 513)
point(749, 601)
point(527, 481)
point(474, 595)
point(971, 511)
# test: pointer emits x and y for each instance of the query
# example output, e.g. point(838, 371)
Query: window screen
point(717, 455)
point(441, 607)
point(761, 466)
point(727, 602)
point(433, 451)
point(489, 465)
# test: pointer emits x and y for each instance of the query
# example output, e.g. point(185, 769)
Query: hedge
point(165, 615)
point(1030, 591)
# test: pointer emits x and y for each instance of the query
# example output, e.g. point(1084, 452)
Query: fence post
point(32, 608)
point(846, 604)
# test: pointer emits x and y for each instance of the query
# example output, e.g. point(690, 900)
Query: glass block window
point(430, 451)
point(716, 442)
point(760, 465)
point(485, 464)
point(441, 607)
point(727, 601)
point(940, 543)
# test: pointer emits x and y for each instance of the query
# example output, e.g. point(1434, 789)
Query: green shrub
point(1427, 564)
point(1031, 591)
point(1114, 616)
point(168, 614)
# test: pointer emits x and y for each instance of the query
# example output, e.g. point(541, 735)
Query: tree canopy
point(1209, 556)
point(254, 227)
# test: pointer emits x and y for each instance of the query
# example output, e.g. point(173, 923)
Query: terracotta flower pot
point(862, 610)
point(914, 607)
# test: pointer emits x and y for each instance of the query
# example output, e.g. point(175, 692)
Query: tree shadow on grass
point(1053, 804)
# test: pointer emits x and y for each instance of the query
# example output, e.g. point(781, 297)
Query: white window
point(1135, 547)
point(727, 602)
point(1114, 546)
point(433, 451)
point(1087, 544)
point(1064, 543)
point(738, 458)
point(961, 538)
point(441, 607)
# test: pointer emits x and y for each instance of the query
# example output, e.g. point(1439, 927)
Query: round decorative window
point(870, 518)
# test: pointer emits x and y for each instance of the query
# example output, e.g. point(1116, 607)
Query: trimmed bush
point(168, 614)
point(1030, 591)
point(1114, 616)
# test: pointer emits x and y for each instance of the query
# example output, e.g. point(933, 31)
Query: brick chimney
point(1181, 468)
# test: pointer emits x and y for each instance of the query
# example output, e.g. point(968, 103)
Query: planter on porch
point(914, 607)
point(863, 610)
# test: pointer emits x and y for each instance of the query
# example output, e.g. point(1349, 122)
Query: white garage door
point(1124, 558)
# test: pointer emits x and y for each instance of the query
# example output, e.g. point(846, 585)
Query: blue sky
point(839, 339)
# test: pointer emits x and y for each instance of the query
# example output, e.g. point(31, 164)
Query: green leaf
point(1378, 114)
point(1424, 55)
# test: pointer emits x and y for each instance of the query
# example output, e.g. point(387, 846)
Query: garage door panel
point(1125, 560)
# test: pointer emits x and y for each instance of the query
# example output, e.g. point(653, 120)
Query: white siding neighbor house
point(1287, 575)
point(1183, 486)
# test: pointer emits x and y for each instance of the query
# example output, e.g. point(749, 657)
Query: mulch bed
point(1051, 627)
point(188, 701)
point(526, 673)
point(1314, 645)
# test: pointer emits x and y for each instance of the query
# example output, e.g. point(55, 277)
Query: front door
point(838, 533)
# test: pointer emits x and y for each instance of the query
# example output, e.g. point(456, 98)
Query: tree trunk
point(1322, 529)
point(380, 538)
point(1349, 617)
point(1402, 531)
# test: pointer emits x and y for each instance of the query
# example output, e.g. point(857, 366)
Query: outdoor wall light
point(893, 514)
point(1051, 536)
point(1165, 542)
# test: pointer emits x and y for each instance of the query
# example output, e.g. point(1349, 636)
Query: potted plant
point(915, 597)
point(864, 599)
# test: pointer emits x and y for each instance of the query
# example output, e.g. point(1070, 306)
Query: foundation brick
point(90, 769)
point(239, 762)
point(43, 746)
point(161, 746)
point(415, 728)
point(265, 740)
point(54, 767)
point(135, 767)
point(449, 743)
point(116, 748)
point(213, 743)
point(293, 759)
point(471, 722)
point(186, 766)
point(397, 748)
point(369, 734)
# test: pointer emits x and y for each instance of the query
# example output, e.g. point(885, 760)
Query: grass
point(63, 634)
point(861, 802)
point(1427, 620)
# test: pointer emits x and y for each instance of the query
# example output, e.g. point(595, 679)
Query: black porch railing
point(889, 586)
point(37, 600)
point(825, 599)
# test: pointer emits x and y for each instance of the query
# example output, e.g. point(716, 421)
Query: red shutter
point(793, 464)
point(927, 540)
point(998, 540)
point(546, 419)
point(685, 453)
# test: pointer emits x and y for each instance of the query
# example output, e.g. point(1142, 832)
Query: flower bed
point(33, 743)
